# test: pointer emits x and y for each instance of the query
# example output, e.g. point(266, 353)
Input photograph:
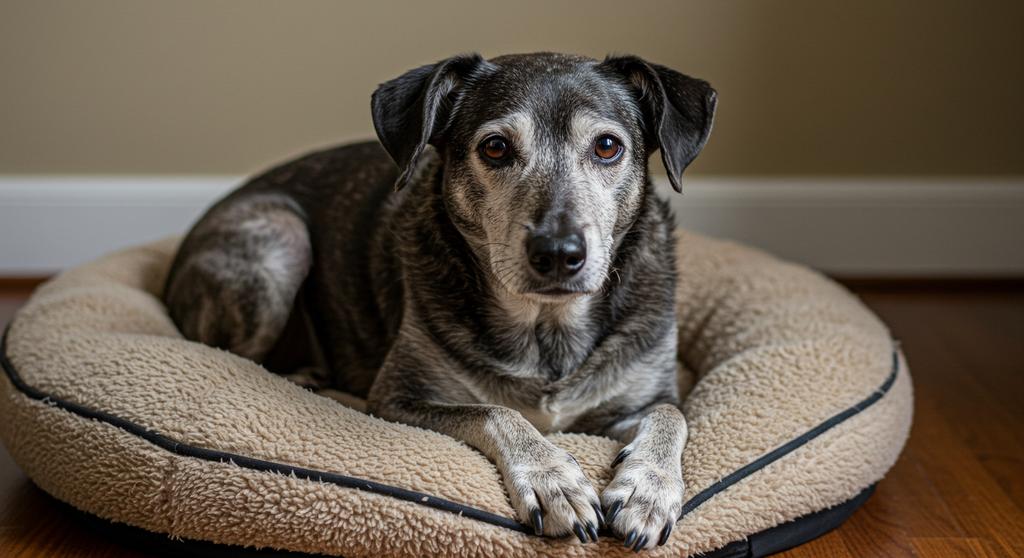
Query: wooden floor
point(958, 489)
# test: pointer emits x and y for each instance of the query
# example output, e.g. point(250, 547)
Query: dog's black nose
point(557, 256)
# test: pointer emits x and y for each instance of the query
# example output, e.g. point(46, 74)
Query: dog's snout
point(559, 255)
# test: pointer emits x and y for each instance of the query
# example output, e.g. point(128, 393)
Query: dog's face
point(545, 155)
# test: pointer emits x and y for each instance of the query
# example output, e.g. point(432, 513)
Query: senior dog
point(497, 267)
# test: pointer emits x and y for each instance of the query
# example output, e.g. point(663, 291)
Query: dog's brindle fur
point(422, 300)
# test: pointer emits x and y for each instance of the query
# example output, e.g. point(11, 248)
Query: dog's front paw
point(551, 493)
point(644, 500)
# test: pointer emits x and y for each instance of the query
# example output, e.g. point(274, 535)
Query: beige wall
point(806, 87)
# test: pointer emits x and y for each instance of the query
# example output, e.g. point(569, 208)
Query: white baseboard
point(847, 226)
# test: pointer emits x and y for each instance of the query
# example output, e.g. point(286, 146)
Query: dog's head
point(545, 155)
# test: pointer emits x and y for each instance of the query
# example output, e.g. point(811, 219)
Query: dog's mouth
point(548, 291)
point(556, 293)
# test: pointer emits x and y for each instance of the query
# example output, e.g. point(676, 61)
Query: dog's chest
point(535, 392)
point(541, 346)
point(544, 342)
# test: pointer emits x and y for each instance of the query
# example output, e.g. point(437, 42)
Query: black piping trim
point(776, 454)
point(420, 498)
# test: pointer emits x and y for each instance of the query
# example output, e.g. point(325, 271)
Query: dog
point(497, 267)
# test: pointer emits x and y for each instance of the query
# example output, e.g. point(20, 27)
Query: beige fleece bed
point(803, 403)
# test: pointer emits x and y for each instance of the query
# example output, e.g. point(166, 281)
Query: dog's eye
point(495, 148)
point(607, 148)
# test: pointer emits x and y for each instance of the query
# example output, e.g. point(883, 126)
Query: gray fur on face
point(552, 118)
point(426, 301)
point(552, 181)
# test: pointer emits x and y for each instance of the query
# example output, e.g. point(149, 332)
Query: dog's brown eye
point(607, 148)
point(495, 148)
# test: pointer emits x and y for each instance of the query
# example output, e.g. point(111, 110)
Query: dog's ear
point(678, 110)
point(412, 111)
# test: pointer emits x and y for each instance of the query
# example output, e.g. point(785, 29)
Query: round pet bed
point(803, 402)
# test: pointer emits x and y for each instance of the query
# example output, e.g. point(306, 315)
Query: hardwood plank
point(875, 530)
point(995, 365)
point(975, 365)
point(20, 285)
point(990, 340)
point(831, 545)
point(982, 507)
point(955, 548)
point(911, 500)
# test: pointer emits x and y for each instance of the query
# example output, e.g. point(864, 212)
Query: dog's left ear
point(412, 111)
point(678, 110)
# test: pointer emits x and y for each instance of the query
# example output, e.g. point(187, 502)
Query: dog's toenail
point(580, 534)
point(665, 533)
point(538, 521)
point(600, 514)
point(613, 511)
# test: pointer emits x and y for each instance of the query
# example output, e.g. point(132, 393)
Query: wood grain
point(957, 490)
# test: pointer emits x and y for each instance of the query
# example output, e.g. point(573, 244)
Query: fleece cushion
point(798, 402)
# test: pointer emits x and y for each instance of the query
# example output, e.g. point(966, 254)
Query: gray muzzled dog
point(520, 279)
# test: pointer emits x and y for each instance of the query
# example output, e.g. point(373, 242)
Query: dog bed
point(803, 402)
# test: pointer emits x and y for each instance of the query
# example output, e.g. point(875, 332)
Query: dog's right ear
point(412, 111)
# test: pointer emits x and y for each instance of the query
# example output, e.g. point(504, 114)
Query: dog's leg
point(545, 483)
point(234, 281)
point(645, 497)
